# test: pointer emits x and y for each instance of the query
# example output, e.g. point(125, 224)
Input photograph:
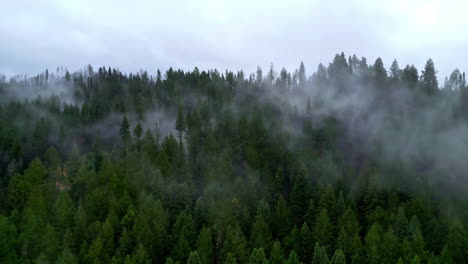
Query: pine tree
point(125, 132)
point(302, 75)
point(276, 255)
point(445, 256)
point(180, 122)
point(235, 243)
point(391, 246)
point(169, 260)
point(320, 255)
point(338, 257)
point(380, 74)
point(281, 221)
point(395, 72)
point(410, 76)
point(308, 107)
point(260, 233)
point(327, 200)
point(194, 258)
point(230, 259)
point(299, 200)
point(63, 212)
point(416, 260)
point(141, 255)
point(373, 239)
point(323, 229)
point(309, 216)
point(66, 257)
point(8, 238)
point(305, 250)
point(258, 257)
point(401, 226)
point(183, 233)
point(292, 240)
point(293, 258)
point(205, 245)
point(339, 208)
point(429, 81)
point(350, 222)
point(137, 132)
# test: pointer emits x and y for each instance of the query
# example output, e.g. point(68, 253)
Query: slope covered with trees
point(352, 164)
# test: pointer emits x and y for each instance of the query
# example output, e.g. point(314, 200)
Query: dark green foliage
point(323, 229)
point(125, 130)
point(429, 82)
point(230, 259)
point(259, 169)
point(281, 218)
point(292, 259)
point(277, 254)
point(194, 258)
point(258, 257)
point(299, 200)
point(320, 255)
point(306, 241)
point(205, 245)
point(260, 232)
point(338, 258)
point(235, 244)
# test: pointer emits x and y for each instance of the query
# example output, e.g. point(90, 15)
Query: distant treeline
point(351, 164)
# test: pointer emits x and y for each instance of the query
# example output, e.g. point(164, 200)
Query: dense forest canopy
point(353, 163)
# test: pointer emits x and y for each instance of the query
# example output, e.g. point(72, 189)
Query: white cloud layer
point(131, 35)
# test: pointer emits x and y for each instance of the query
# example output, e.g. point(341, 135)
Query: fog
point(227, 35)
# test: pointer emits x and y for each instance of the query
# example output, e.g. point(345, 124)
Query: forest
point(351, 163)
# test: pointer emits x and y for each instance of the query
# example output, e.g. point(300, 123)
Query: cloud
point(227, 34)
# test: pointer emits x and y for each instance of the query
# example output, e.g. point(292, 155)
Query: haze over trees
point(353, 163)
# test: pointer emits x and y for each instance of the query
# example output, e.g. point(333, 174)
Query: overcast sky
point(240, 34)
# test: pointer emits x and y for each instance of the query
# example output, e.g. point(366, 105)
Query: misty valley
point(347, 163)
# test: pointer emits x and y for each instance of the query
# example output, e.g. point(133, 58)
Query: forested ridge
point(353, 163)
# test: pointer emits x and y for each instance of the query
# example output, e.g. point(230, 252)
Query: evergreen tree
point(258, 257)
point(66, 257)
point(320, 255)
point(235, 244)
point(276, 255)
point(410, 76)
point(323, 229)
point(260, 233)
point(349, 222)
point(429, 82)
point(205, 245)
point(308, 106)
point(230, 259)
point(299, 200)
point(305, 250)
point(180, 122)
point(194, 258)
point(415, 260)
point(302, 75)
point(292, 259)
point(380, 74)
point(338, 258)
point(309, 216)
point(401, 226)
point(395, 72)
point(281, 219)
point(137, 132)
point(445, 256)
point(125, 131)
point(373, 240)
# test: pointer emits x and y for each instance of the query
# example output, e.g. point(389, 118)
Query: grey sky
point(241, 34)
